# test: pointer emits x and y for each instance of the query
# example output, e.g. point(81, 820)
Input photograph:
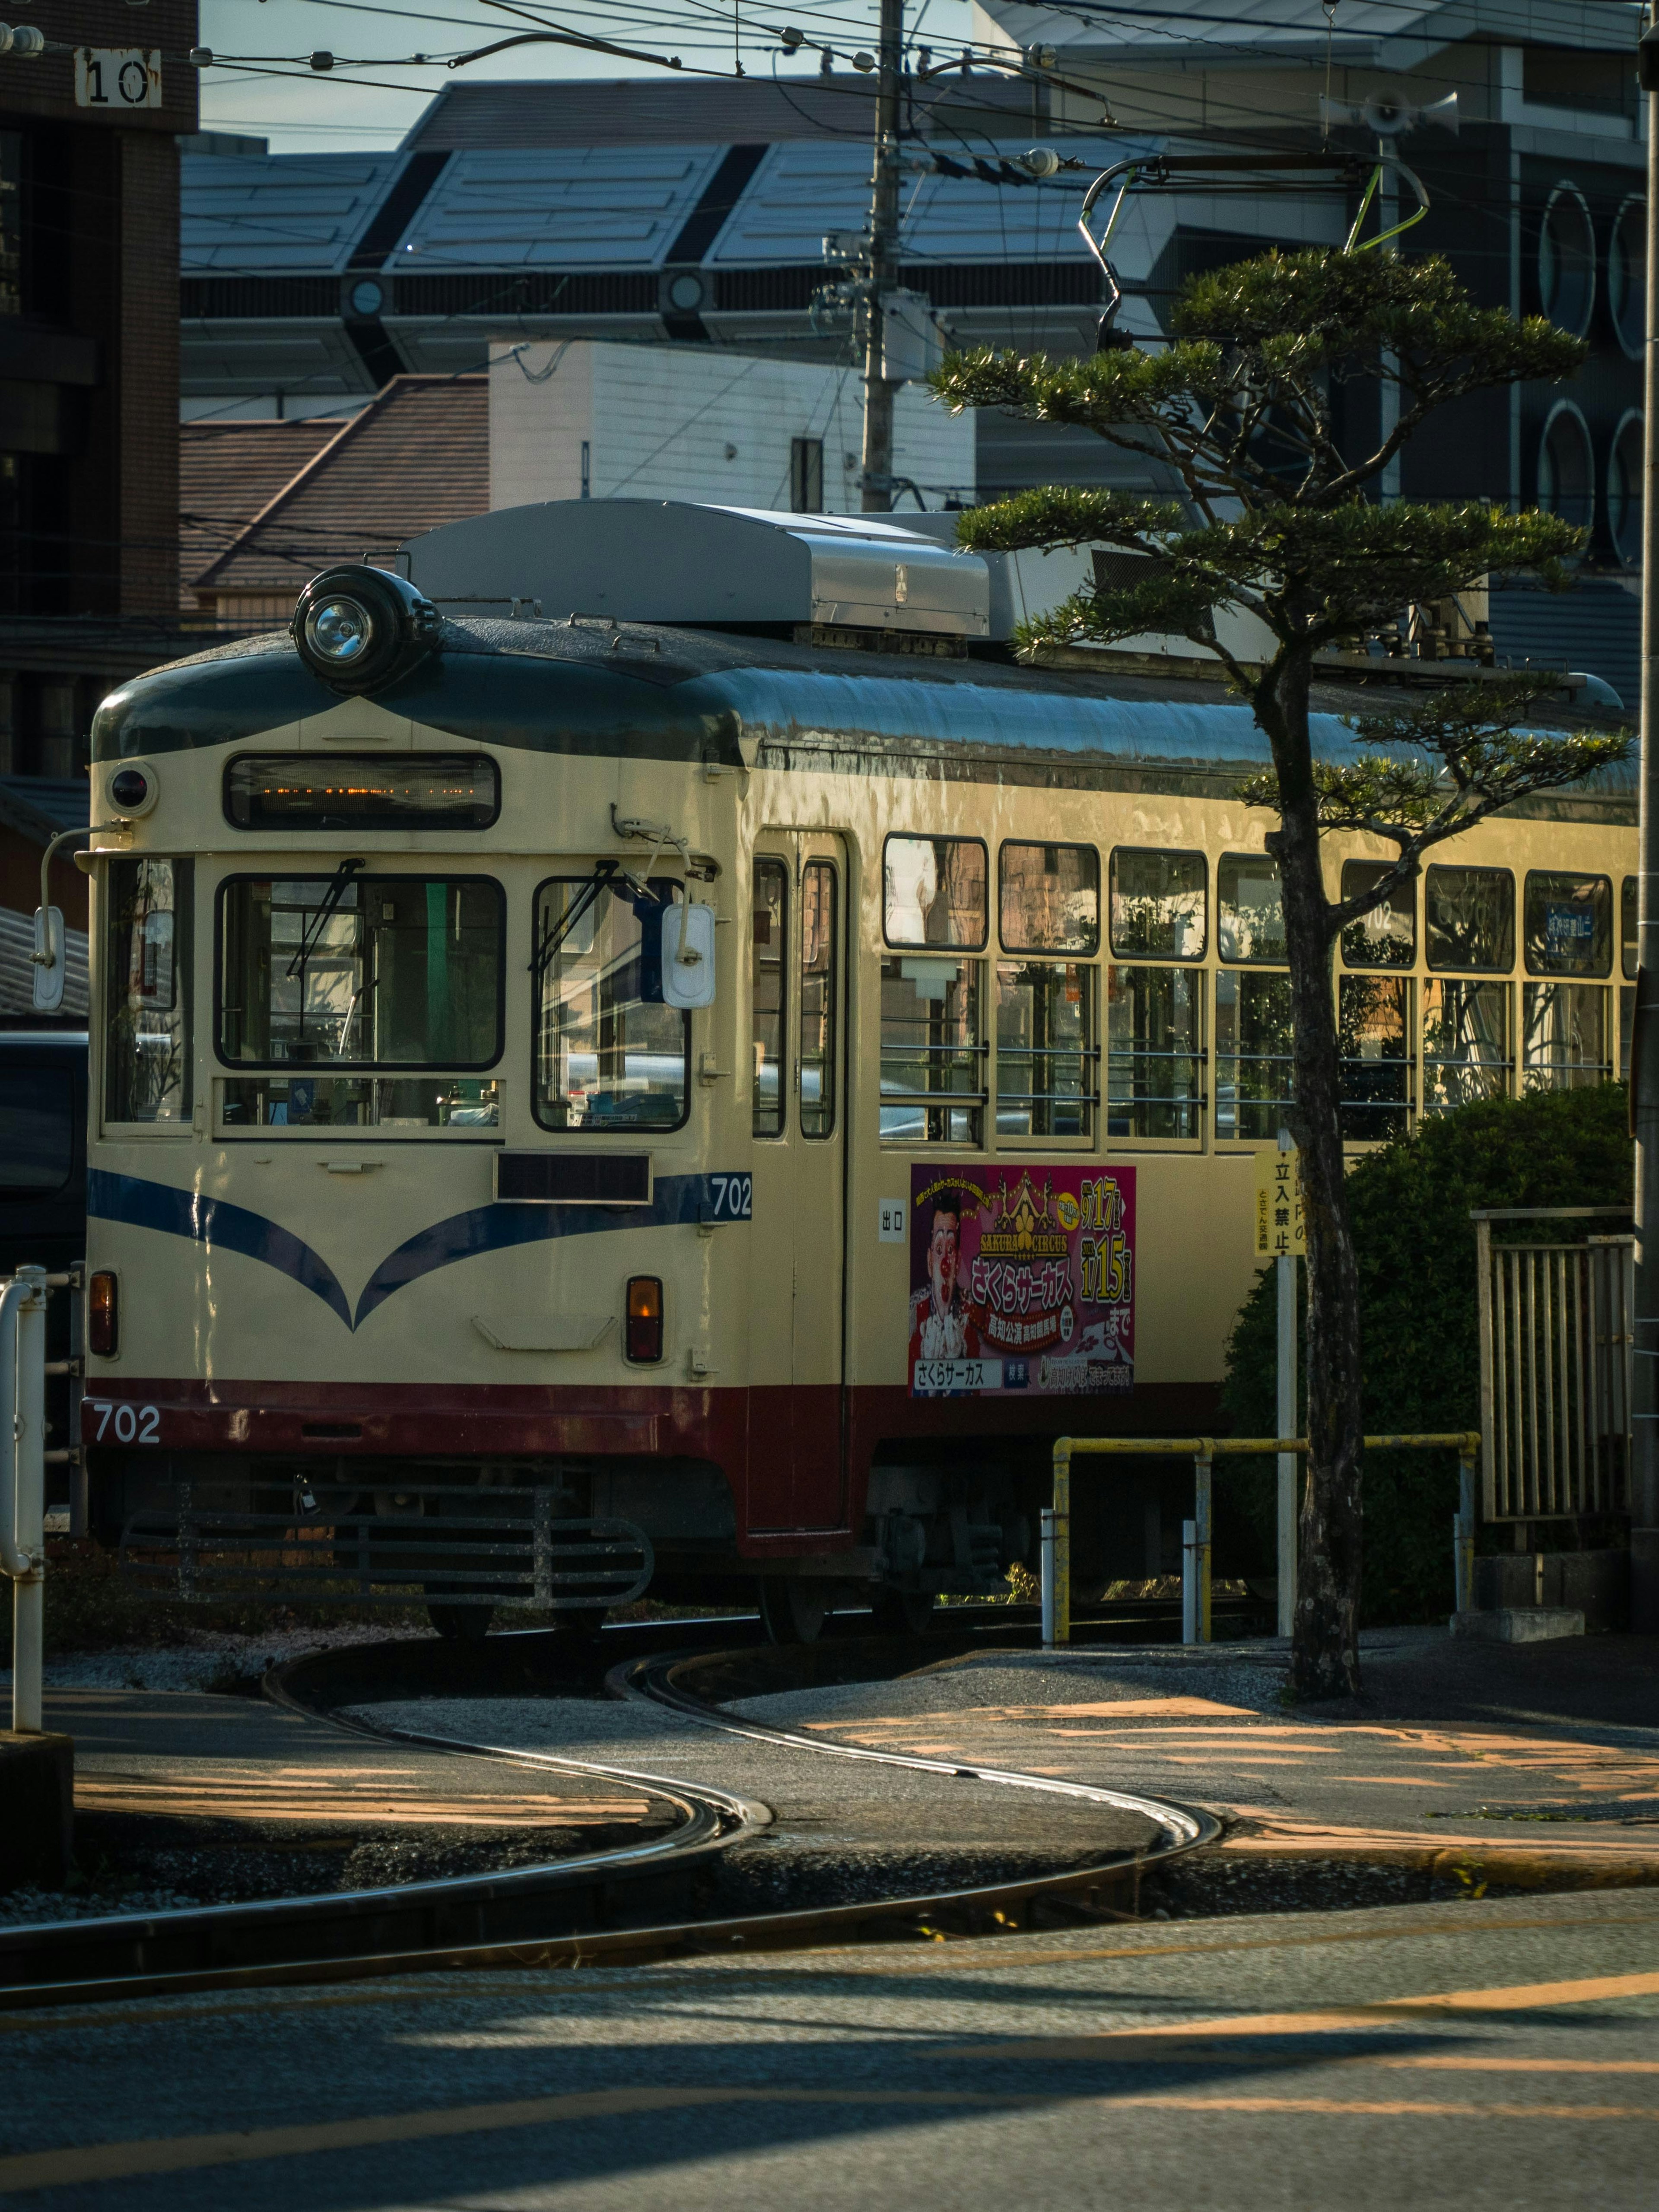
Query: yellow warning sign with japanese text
point(1279, 1229)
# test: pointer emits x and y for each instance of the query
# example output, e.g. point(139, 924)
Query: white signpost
point(1280, 1237)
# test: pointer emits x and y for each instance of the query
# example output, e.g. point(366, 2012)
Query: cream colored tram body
point(437, 1249)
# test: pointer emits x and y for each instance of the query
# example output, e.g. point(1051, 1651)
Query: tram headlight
point(359, 627)
point(103, 1315)
point(644, 1319)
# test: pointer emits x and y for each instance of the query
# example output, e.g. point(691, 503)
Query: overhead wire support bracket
point(1157, 170)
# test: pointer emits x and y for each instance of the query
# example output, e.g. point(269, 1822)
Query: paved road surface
point(1465, 2056)
point(1461, 1753)
point(189, 1753)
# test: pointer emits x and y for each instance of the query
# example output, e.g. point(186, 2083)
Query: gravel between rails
point(844, 1831)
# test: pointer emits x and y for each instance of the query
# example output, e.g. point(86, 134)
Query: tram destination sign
point(1021, 1279)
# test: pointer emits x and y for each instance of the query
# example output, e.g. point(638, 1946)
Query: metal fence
point(1196, 1540)
point(1557, 1346)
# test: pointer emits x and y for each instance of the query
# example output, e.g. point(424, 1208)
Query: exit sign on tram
point(118, 76)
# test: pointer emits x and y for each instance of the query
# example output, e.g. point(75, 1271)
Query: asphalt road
point(1461, 1753)
point(1466, 2055)
point(191, 1754)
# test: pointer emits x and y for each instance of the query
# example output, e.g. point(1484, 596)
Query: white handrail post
point(29, 1499)
point(1189, 1581)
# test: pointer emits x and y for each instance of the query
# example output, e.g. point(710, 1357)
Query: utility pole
point(883, 265)
point(1644, 1030)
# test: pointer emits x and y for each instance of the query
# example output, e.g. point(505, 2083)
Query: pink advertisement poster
point(1022, 1278)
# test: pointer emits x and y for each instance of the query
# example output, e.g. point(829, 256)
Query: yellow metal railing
point(1204, 1451)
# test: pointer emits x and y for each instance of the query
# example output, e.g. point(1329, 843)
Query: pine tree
point(1267, 363)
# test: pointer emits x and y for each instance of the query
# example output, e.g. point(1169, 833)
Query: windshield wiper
point(602, 877)
point(311, 932)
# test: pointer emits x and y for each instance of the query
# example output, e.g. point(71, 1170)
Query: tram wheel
point(792, 1609)
point(902, 1613)
point(461, 1624)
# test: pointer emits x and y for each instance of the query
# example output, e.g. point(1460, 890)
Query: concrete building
point(585, 419)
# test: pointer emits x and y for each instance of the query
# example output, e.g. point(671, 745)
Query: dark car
point(43, 1188)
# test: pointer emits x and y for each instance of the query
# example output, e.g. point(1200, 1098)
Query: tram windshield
point(609, 1053)
point(376, 971)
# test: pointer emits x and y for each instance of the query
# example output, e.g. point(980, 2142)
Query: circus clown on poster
point(1021, 1279)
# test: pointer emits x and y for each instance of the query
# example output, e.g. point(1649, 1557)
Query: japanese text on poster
point(1021, 1278)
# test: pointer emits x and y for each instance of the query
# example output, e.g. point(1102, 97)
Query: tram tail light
point(103, 1316)
point(644, 1318)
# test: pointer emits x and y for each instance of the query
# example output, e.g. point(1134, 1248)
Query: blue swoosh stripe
point(497, 1228)
point(493, 1228)
point(214, 1222)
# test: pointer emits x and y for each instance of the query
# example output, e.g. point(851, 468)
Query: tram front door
point(798, 920)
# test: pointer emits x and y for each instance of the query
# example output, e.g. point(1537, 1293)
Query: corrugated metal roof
point(621, 209)
point(799, 192)
point(593, 207)
point(288, 212)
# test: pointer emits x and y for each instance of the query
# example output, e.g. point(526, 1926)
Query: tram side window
point(1049, 898)
point(932, 1055)
point(768, 987)
point(1563, 1045)
point(934, 893)
point(1154, 1061)
point(1467, 1052)
point(1157, 905)
point(1567, 930)
point(1387, 936)
point(935, 897)
point(1568, 924)
point(1249, 911)
point(818, 962)
point(1254, 1075)
point(147, 1030)
point(1374, 1037)
point(609, 1053)
point(1470, 917)
point(1045, 1057)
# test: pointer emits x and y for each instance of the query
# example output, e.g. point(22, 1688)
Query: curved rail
point(564, 1912)
point(1185, 1826)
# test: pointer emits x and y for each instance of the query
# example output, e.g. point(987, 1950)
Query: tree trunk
point(1325, 1649)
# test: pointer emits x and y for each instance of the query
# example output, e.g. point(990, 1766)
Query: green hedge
point(1411, 1203)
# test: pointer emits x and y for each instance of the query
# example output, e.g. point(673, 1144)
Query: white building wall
point(696, 423)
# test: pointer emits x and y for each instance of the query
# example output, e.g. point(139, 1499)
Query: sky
point(271, 93)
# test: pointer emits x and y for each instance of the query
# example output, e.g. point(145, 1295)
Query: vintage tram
point(645, 1050)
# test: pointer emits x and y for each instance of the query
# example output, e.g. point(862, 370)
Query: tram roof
point(587, 686)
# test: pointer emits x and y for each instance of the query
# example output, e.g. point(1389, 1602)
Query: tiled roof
point(416, 457)
point(227, 472)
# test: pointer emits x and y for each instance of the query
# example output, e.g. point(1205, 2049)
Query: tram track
point(622, 1904)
